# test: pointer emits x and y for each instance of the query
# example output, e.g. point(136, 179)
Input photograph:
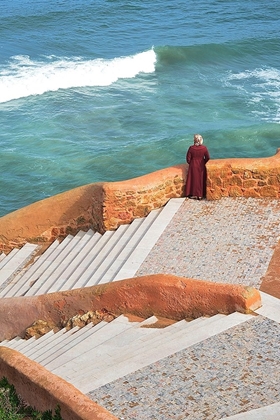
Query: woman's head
point(197, 139)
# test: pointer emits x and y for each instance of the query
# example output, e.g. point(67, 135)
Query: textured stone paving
point(232, 372)
point(228, 241)
point(231, 241)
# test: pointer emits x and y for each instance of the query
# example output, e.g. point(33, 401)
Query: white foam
point(262, 88)
point(23, 77)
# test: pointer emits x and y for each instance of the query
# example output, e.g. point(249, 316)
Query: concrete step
point(8, 257)
point(152, 352)
point(11, 343)
point(31, 345)
point(23, 344)
point(135, 340)
point(44, 343)
point(112, 261)
point(70, 283)
point(100, 257)
point(64, 342)
point(23, 281)
point(89, 259)
point(34, 279)
point(65, 247)
point(109, 354)
point(124, 254)
point(15, 261)
point(55, 345)
point(63, 351)
point(270, 307)
point(45, 280)
point(127, 243)
point(106, 256)
point(91, 341)
point(117, 348)
point(77, 246)
point(143, 248)
point(70, 271)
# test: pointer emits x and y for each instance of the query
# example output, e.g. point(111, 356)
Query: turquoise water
point(109, 90)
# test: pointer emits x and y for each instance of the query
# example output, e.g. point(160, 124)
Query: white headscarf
point(197, 139)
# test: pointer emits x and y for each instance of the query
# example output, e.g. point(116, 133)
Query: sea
point(108, 90)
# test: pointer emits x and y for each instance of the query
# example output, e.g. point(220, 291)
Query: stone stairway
point(93, 356)
point(15, 262)
point(90, 258)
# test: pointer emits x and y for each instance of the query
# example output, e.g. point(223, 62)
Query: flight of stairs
point(92, 356)
point(95, 355)
point(90, 258)
point(14, 263)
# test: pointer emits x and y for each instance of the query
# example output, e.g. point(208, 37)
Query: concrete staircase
point(117, 348)
point(14, 263)
point(93, 356)
point(90, 258)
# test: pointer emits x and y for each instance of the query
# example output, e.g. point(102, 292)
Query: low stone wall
point(164, 295)
point(127, 200)
point(44, 391)
point(54, 217)
point(105, 206)
point(100, 206)
point(244, 177)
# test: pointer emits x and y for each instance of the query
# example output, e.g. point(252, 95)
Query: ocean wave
point(194, 54)
point(261, 86)
point(202, 54)
point(23, 77)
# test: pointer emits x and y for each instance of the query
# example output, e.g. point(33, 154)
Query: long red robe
point(197, 157)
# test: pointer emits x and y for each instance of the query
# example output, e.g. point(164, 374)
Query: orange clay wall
point(45, 391)
point(105, 206)
point(163, 295)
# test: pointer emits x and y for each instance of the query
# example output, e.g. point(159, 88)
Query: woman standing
point(197, 157)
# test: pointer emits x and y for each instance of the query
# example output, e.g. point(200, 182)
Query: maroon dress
point(197, 157)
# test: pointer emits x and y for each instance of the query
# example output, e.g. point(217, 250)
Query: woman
point(197, 157)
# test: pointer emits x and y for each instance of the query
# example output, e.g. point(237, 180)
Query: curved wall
point(44, 391)
point(105, 206)
point(164, 295)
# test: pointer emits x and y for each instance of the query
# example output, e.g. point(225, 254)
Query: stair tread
point(21, 283)
point(150, 238)
point(16, 261)
point(152, 354)
point(73, 266)
point(67, 257)
point(85, 263)
point(116, 256)
point(53, 359)
point(48, 265)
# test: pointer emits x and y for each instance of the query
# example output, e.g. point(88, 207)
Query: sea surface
point(109, 90)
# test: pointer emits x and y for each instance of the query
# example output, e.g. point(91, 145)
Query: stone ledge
point(164, 295)
point(105, 206)
point(43, 390)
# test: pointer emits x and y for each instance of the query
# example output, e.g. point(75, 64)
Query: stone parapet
point(45, 391)
point(164, 295)
point(254, 177)
point(105, 206)
point(125, 201)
